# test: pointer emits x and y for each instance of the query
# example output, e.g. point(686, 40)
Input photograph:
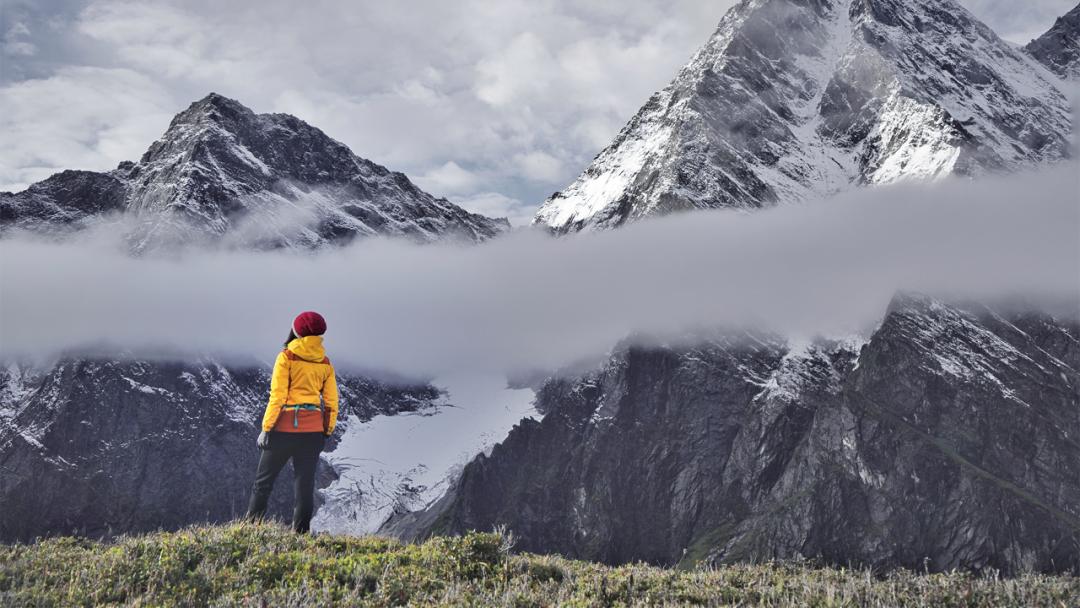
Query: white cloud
point(540, 166)
point(493, 204)
point(532, 301)
point(16, 40)
point(448, 179)
point(18, 29)
point(521, 72)
point(79, 118)
point(1019, 22)
point(424, 89)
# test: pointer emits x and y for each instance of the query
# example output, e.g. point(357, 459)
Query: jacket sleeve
point(330, 402)
point(279, 390)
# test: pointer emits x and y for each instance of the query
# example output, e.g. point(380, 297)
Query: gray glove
point(264, 441)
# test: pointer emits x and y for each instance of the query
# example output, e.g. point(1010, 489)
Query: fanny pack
point(307, 407)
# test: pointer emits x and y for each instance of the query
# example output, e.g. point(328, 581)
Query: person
point(300, 416)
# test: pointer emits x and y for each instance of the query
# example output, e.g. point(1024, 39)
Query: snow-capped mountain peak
point(793, 100)
point(223, 174)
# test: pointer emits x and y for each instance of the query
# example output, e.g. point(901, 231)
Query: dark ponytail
point(292, 336)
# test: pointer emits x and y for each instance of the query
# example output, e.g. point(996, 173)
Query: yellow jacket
point(302, 376)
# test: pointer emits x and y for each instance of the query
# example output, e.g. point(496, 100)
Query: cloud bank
point(530, 301)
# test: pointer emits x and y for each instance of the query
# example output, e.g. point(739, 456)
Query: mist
point(530, 301)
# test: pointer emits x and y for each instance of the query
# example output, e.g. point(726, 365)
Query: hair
point(292, 336)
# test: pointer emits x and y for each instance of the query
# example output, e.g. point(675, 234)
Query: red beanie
point(309, 323)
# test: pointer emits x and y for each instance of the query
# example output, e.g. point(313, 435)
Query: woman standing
point(300, 415)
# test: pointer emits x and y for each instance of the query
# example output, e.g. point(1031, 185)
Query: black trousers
point(303, 449)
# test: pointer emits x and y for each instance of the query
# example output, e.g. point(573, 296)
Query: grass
point(266, 565)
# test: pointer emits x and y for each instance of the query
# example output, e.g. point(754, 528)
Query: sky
point(494, 104)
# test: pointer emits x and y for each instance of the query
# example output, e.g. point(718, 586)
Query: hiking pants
point(303, 449)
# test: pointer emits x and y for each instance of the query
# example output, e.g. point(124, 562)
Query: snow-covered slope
point(398, 464)
point(796, 99)
point(224, 174)
point(1059, 48)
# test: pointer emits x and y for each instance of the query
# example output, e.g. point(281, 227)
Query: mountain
point(223, 174)
point(101, 446)
point(1059, 48)
point(796, 99)
point(946, 440)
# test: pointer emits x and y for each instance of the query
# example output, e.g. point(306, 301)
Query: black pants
point(304, 450)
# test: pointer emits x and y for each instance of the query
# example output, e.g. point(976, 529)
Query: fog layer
point(531, 301)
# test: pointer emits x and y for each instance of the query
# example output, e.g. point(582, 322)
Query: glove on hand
point(264, 441)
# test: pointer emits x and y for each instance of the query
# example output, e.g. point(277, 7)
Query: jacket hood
point(308, 348)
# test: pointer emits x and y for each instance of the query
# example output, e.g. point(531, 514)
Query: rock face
point(947, 440)
point(97, 447)
point(795, 99)
point(1059, 48)
point(222, 174)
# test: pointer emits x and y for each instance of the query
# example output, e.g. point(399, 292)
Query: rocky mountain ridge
point(98, 446)
point(947, 440)
point(223, 175)
point(792, 100)
point(1059, 48)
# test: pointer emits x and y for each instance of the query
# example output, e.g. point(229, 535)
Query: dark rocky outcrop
point(65, 201)
point(1059, 48)
point(98, 447)
point(948, 440)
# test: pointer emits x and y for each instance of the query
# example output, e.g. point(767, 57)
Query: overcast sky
point(493, 103)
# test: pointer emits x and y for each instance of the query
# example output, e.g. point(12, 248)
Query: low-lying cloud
point(531, 301)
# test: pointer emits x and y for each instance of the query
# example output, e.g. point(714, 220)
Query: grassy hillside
point(245, 565)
